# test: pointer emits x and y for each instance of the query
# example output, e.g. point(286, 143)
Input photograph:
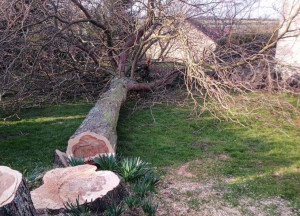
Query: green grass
point(30, 142)
point(263, 161)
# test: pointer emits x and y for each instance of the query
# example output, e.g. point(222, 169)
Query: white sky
point(267, 9)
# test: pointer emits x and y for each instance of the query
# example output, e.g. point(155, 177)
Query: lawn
point(262, 161)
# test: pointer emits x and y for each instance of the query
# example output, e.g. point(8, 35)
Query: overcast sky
point(267, 8)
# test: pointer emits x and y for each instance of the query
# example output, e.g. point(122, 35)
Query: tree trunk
point(99, 189)
point(15, 197)
point(97, 133)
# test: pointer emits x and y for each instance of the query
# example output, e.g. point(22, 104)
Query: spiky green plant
point(148, 207)
point(115, 210)
point(146, 185)
point(107, 162)
point(133, 202)
point(152, 179)
point(73, 161)
point(132, 169)
point(77, 209)
point(142, 189)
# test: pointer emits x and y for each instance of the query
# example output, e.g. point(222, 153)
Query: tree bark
point(99, 189)
point(97, 133)
point(15, 197)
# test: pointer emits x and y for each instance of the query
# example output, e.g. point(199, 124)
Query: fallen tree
point(15, 197)
point(97, 133)
point(69, 47)
point(99, 189)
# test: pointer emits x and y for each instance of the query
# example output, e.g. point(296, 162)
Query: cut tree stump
point(99, 189)
point(15, 197)
point(97, 134)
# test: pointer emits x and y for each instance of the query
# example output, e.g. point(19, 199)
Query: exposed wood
point(61, 159)
point(15, 197)
point(97, 133)
point(61, 185)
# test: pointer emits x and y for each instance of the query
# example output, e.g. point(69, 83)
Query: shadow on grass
point(262, 161)
point(30, 142)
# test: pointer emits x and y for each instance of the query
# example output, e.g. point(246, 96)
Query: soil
point(182, 193)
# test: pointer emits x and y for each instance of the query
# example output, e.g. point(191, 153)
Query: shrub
point(107, 162)
point(132, 169)
point(77, 209)
point(73, 161)
point(115, 210)
point(149, 208)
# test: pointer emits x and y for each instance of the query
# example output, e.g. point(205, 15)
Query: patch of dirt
point(184, 172)
point(182, 193)
point(201, 145)
point(224, 157)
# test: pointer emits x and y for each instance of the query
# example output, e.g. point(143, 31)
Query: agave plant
point(132, 169)
point(73, 161)
point(77, 209)
point(107, 162)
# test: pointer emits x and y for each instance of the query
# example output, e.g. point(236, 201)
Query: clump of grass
point(146, 185)
point(107, 162)
point(133, 202)
point(139, 176)
point(141, 189)
point(149, 208)
point(152, 179)
point(34, 178)
point(77, 209)
point(73, 161)
point(115, 210)
point(132, 169)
